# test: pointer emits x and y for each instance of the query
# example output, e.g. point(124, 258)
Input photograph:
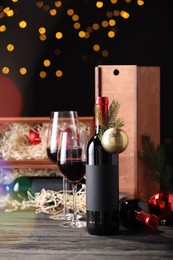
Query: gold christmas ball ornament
point(115, 140)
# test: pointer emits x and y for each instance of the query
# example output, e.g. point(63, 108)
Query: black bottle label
point(102, 187)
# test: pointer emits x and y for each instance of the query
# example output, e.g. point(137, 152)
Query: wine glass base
point(73, 224)
point(58, 217)
point(78, 224)
point(68, 216)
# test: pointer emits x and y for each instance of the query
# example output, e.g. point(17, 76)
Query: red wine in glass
point(72, 167)
point(52, 155)
point(74, 171)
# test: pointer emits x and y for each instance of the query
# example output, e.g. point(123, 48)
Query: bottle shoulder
point(133, 204)
point(94, 141)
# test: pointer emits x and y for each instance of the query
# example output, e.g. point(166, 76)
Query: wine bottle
point(18, 189)
point(102, 187)
point(161, 204)
point(134, 213)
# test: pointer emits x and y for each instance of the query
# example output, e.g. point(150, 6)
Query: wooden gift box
point(137, 88)
point(45, 163)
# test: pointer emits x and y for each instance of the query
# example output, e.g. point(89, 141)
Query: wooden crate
point(33, 163)
point(137, 89)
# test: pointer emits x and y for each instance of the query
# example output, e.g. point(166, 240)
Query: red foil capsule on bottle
point(149, 220)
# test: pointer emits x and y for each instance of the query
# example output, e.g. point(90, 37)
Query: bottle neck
point(101, 112)
point(97, 129)
point(149, 220)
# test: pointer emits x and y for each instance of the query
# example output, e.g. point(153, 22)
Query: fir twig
point(154, 157)
point(111, 120)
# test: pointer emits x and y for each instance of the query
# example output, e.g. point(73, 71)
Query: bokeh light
point(100, 26)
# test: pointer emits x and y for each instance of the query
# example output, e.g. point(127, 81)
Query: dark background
point(143, 39)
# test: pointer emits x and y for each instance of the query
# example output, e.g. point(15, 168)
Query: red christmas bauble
point(161, 204)
point(34, 137)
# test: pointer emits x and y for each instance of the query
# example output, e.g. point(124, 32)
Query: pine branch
point(113, 112)
point(154, 157)
point(111, 120)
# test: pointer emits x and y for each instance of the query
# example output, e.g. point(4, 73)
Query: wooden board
point(25, 235)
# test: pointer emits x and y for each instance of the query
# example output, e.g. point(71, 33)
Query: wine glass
point(52, 148)
point(71, 159)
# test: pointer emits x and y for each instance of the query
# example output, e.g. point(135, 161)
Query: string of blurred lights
point(102, 23)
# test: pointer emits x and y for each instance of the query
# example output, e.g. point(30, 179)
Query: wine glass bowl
point(70, 158)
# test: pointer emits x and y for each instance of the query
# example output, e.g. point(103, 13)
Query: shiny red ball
point(161, 204)
point(34, 137)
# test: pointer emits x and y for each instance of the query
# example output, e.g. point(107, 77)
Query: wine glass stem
point(65, 196)
point(74, 188)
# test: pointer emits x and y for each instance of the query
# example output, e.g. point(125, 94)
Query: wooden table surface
point(26, 235)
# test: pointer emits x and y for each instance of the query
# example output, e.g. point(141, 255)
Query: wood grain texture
point(25, 235)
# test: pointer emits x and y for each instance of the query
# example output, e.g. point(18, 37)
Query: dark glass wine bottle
point(102, 187)
point(161, 204)
point(20, 186)
point(134, 213)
